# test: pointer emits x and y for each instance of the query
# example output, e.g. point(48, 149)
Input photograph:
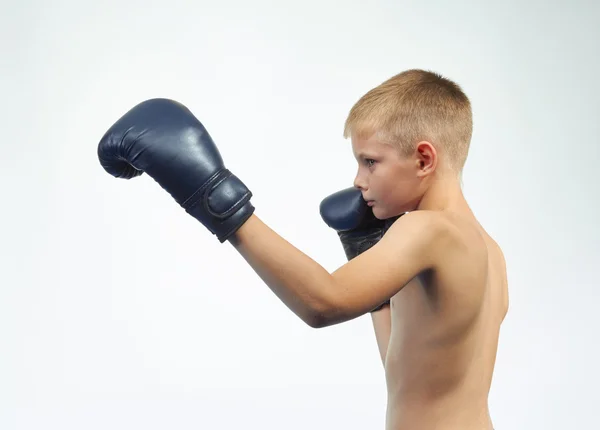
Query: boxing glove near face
point(349, 215)
point(164, 139)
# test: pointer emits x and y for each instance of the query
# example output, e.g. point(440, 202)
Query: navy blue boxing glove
point(349, 215)
point(164, 139)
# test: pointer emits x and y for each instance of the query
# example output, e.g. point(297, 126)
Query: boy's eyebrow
point(365, 154)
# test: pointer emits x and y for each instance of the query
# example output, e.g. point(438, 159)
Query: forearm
point(301, 284)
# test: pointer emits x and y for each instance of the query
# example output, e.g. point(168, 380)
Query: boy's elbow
point(324, 317)
point(327, 310)
point(318, 320)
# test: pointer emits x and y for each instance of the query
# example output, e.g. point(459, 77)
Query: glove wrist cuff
point(222, 204)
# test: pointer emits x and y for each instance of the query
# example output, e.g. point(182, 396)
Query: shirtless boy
point(420, 263)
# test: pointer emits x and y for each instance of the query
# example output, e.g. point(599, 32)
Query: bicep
point(380, 272)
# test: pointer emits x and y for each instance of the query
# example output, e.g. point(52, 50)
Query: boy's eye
point(369, 162)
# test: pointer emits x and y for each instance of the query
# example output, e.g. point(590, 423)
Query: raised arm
point(163, 139)
point(359, 286)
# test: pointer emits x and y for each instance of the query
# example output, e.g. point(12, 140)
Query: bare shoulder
point(465, 261)
point(453, 246)
point(438, 233)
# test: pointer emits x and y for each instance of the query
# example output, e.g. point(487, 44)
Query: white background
point(119, 311)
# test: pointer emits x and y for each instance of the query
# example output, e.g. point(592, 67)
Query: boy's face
point(389, 181)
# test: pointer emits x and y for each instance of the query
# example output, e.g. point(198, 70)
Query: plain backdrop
point(119, 311)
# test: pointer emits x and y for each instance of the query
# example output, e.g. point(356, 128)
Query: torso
point(444, 334)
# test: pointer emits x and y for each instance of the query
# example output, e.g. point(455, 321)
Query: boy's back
point(444, 335)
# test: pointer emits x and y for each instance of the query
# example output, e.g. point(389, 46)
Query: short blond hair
point(414, 106)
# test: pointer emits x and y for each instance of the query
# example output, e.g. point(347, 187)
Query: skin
point(444, 274)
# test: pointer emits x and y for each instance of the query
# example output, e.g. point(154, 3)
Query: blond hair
point(414, 106)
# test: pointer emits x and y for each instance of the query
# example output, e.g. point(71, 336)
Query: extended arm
point(163, 139)
point(322, 299)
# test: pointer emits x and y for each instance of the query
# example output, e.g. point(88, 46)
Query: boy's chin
point(379, 212)
point(383, 213)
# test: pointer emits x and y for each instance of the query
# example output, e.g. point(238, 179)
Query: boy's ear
point(427, 157)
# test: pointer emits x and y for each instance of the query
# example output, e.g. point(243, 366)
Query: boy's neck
point(445, 195)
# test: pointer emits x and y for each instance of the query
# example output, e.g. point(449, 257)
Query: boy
point(442, 274)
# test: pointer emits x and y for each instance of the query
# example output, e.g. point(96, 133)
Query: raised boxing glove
point(349, 215)
point(162, 138)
